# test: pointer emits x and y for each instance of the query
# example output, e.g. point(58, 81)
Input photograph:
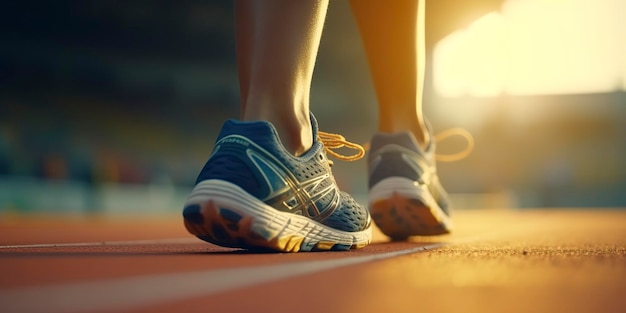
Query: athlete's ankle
point(296, 138)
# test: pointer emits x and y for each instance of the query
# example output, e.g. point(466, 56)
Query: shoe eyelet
point(321, 157)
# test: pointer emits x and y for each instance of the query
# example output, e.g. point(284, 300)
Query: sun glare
point(536, 47)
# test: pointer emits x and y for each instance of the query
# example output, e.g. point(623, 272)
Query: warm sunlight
point(536, 47)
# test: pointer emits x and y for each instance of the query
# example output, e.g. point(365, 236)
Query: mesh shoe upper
point(399, 155)
point(250, 155)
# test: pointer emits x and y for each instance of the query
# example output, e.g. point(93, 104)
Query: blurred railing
point(30, 195)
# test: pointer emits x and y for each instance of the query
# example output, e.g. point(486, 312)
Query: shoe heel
point(401, 209)
point(218, 225)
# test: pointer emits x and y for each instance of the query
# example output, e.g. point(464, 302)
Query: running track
point(496, 261)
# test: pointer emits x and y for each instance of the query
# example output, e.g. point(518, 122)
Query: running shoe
point(405, 196)
point(253, 194)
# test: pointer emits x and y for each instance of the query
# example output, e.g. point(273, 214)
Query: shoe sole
point(402, 208)
point(222, 213)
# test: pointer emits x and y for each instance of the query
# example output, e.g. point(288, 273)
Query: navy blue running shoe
point(405, 196)
point(253, 194)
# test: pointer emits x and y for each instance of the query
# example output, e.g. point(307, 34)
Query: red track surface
point(498, 261)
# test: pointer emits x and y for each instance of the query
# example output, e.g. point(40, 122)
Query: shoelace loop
point(459, 155)
point(336, 141)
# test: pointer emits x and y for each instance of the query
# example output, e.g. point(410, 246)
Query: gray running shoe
point(405, 196)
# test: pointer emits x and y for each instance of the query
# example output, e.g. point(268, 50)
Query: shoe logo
point(420, 166)
point(235, 140)
point(288, 194)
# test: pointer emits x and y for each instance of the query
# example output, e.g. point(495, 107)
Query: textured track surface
point(496, 261)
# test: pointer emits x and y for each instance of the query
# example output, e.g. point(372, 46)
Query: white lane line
point(104, 243)
point(133, 292)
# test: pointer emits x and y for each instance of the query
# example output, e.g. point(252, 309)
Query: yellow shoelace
point(459, 155)
point(336, 141)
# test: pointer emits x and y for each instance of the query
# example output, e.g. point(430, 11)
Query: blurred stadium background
point(113, 106)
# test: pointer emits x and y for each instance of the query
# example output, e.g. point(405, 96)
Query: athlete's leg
point(277, 43)
point(393, 36)
point(405, 196)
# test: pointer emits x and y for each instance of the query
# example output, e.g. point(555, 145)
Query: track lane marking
point(104, 243)
point(133, 292)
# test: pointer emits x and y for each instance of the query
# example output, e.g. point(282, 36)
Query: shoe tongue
point(314, 126)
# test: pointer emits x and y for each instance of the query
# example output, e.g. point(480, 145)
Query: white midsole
point(268, 221)
point(406, 188)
